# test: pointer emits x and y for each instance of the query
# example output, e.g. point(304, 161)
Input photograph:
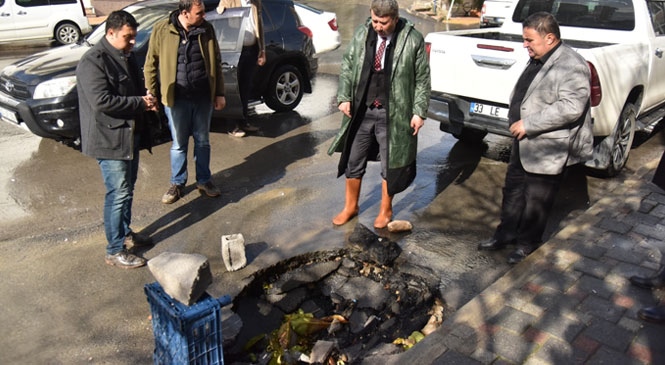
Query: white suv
point(62, 20)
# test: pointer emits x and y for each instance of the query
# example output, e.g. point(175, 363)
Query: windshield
point(602, 14)
point(146, 17)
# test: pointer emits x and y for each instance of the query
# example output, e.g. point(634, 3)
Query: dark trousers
point(371, 130)
point(527, 201)
point(246, 69)
point(659, 175)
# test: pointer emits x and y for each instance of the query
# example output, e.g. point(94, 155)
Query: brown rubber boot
point(386, 211)
point(351, 205)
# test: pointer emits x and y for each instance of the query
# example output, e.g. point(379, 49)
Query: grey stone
point(231, 326)
point(366, 292)
point(555, 351)
point(357, 321)
point(387, 325)
point(513, 319)
point(321, 351)
point(185, 277)
point(332, 283)
point(384, 349)
point(304, 275)
point(292, 300)
point(367, 246)
point(595, 286)
point(607, 356)
point(454, 357)
point(559, 326)
point(233, 251)
point(609, 334)
point(560, 281)
point(511, 346)
point(309, 306)
point(602, 308)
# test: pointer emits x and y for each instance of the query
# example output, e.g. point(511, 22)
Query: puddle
point(347, 304)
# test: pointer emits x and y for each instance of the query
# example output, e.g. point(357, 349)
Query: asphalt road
point(62, 305)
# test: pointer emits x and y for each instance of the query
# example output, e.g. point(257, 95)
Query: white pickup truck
point(495, 12)
point(473, 71)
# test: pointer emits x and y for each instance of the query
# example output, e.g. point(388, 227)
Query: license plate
point(8, 115)
point(489, 110)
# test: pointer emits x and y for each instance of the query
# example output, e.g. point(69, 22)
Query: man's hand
point(262, 58)
point(150, 102)
point(517, 129)
point(220, 102)
point(416, 123)
point(345, 108)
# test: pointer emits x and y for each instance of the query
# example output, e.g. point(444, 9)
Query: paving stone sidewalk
point(570, 302)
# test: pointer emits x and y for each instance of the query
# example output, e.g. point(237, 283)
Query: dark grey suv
point(39, 91)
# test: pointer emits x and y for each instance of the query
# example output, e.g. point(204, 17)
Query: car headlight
point(55, 87)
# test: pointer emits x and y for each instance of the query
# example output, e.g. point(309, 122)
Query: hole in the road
point(336, 307)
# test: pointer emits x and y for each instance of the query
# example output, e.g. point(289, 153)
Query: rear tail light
point(428, 49)
point(333, 24)
point(596, 90)
point(305, 30)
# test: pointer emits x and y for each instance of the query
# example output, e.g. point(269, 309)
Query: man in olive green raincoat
point(384, 90)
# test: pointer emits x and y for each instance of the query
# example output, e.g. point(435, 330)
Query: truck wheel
point(285, 89)
point(622, 140)
point(67, 33)
point(470, 136)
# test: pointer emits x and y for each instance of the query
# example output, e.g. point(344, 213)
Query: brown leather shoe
point(125, 260)
point(134, 239)
point(173, 194)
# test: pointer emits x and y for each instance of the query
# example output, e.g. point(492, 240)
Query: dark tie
point(379, 54)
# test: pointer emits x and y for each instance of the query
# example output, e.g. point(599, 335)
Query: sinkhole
point(336, 307)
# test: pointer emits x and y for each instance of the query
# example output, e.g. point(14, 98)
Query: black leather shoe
point(492, 244)
point(653, 314)
point(652, 282)
point(519, 254)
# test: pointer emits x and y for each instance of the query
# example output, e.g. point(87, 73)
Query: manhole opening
point(335, 307)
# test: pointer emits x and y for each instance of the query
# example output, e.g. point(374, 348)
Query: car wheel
point(285, 89)
point(622, 140)
point(470, 135)
point(67, 33)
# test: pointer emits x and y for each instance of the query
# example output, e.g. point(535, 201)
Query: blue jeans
point(119, 178)
point(190, 117)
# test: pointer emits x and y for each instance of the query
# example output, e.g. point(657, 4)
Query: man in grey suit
point(550, 120)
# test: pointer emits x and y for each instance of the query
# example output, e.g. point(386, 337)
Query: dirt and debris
point(335, 307)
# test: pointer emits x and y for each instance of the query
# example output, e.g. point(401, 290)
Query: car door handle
point(228, 66)
point(659, 53)
point(5, 14)
point(22, 12)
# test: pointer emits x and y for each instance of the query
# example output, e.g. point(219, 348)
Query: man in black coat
point(112, 104)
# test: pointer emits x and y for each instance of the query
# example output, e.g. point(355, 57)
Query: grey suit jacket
point(556, 115)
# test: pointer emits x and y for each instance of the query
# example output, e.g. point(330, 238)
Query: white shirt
point(249, 37)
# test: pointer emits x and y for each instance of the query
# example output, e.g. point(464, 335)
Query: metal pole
point(450, 10)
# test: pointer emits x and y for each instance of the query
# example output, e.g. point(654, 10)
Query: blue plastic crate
point(185, 334)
